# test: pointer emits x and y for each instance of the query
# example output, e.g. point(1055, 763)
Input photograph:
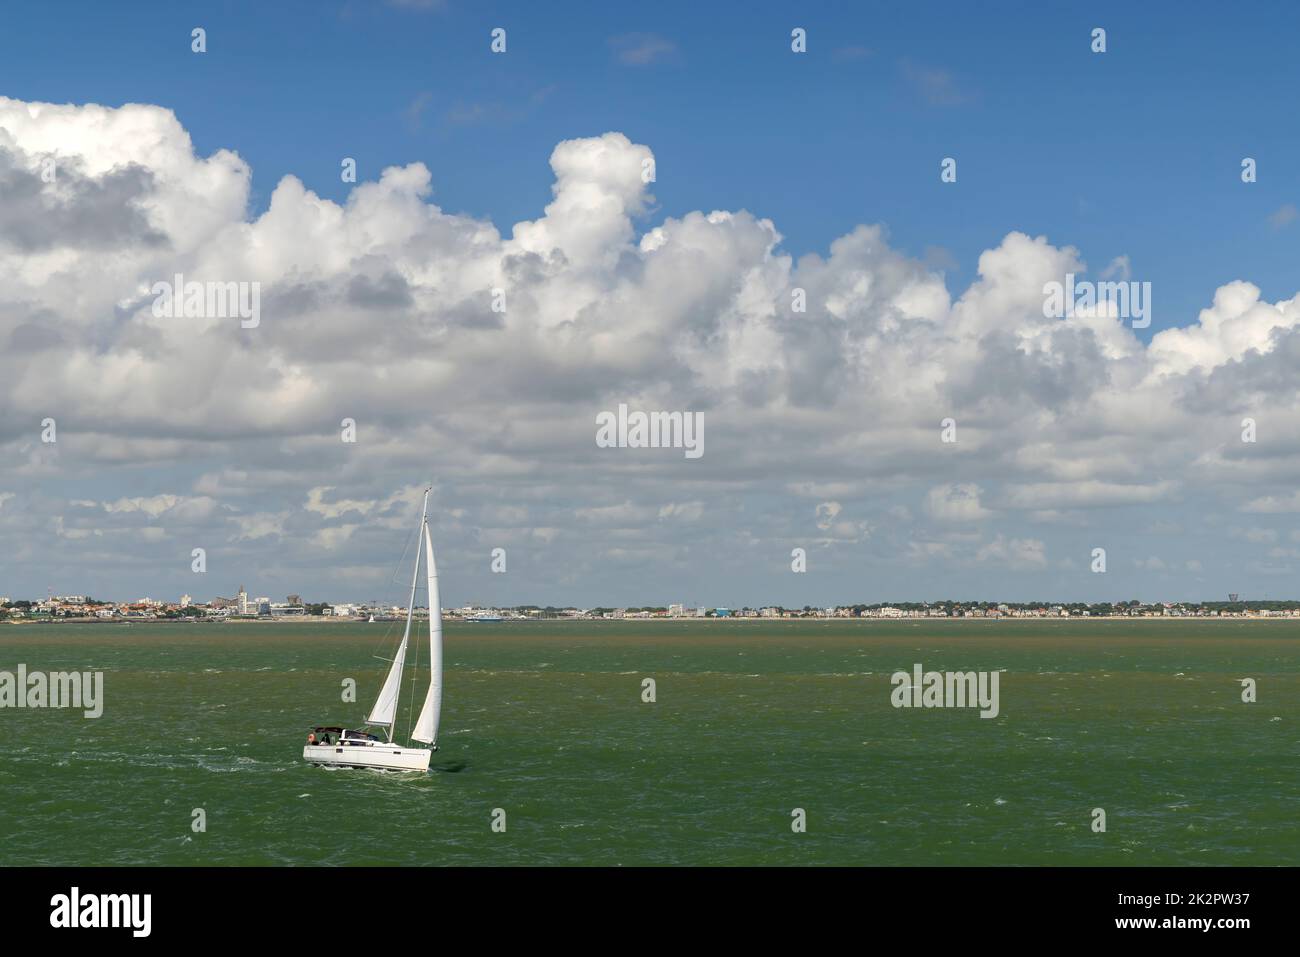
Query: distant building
point(676, 611)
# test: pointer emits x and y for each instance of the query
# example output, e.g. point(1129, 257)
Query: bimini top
point(335, 729)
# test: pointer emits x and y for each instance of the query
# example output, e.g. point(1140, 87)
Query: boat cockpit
point(334, 736)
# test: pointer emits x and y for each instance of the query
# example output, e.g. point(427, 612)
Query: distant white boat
point(335, 746)
point(484, 618)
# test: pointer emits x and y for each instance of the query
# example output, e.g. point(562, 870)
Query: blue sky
point(1135, 152)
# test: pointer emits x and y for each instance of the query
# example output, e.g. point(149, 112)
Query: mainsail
point(386, 705)
point(426, 726)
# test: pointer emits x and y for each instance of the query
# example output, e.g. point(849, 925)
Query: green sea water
point(752, 720)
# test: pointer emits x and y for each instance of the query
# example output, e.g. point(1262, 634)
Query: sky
point(774, 171)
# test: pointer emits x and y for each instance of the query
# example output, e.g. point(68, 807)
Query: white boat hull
point(388, 757)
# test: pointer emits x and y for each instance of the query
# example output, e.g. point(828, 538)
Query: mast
point(410, 605)
point(385, 710)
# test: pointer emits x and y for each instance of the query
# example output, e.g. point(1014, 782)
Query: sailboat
point(343, 747)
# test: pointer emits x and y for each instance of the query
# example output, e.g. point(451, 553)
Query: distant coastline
point(242, 608)
point(731, 619)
